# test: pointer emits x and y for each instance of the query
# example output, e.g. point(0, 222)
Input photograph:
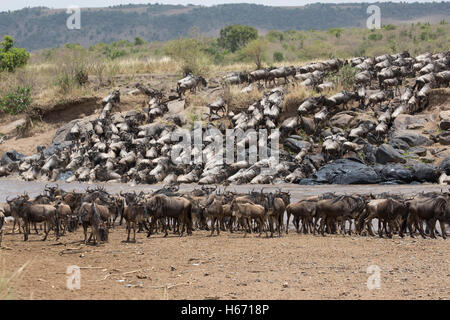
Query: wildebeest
point(190, 82)
point(37, 213)
point(386, 211)
point(429, 209)
point(213, 209)
point(161, 207)
point(304, 211)
point(343, 208)
point(248, 211)
point(2, 222)
point(90, 217)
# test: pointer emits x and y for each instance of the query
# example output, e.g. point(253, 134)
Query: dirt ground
point(228, 266)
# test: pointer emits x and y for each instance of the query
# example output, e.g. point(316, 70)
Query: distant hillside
point(37, 28)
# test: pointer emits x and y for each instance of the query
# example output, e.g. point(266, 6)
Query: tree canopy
point(235, 37)
point(10, 57)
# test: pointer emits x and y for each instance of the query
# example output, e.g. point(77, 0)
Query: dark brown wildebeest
point(134, 214)
point(90, 217)
point(386, 211)
point(37, 213)
point(63, 212)
point(190, 82)
point(161, 207)
point(275, 211)
point(304, 210)
point(2, 222)
point(344, 208)
point(429, 209)
point(249, 211)
point(212, 209)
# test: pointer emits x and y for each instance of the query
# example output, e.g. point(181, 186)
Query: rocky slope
point(393, 127)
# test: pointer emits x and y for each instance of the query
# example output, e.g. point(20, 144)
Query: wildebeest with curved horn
point(191, 82)
point(161, 207)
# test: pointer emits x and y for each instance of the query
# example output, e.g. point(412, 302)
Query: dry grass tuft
point(238, 101)
point(293, 98)
point(6, 289)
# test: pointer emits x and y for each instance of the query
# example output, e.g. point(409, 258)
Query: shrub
point(10, 57)
point(256, 51)
point(139, 41)
point(345, 77)
point(375, 36)
point(235, 37)
point(190, 53)
point(16, 101)
point(278, 56)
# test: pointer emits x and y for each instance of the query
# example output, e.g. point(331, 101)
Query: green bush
point(375, 36)
point(278, 56)
point(235, 37)
point(138, 41)
point(345, 77)
point(191, 53)
point(10, 57)
point(16, 101)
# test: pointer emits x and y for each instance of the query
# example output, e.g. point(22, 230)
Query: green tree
point(256, 51)
point(278, 56)
point(10, 57)
point(138, 41)
point(191, 53)
point(235, 37)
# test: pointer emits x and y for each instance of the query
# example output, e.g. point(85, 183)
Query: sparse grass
point(294, 98)
point(6, 281)
point(238, 101)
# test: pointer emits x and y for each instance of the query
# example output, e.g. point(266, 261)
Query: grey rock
point(386, 153)
point(344, 171)
point(11, 157)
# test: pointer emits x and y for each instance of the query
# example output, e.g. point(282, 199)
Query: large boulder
point(424, 172)
point(296, 144)
point(344, 171)
point(413, 139)
point(444, 166)
point(11, 157)
point(444, 116)
point(395, 173)
point(444, 138)
point(386, 153)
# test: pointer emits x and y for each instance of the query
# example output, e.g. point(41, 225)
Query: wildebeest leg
point(46, 233)
point(287, 221)
point(419, 225)
point(432, 224)
point(218, 225)
point(245, 226)
point(26, 231)
point(442, 224)
point(85, 233)
point(128, 230)
point(134, 231)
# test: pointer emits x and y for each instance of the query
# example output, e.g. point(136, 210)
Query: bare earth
point(229, 266)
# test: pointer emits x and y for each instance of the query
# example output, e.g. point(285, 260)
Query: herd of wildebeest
point(138, 146)
point(217, 209)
